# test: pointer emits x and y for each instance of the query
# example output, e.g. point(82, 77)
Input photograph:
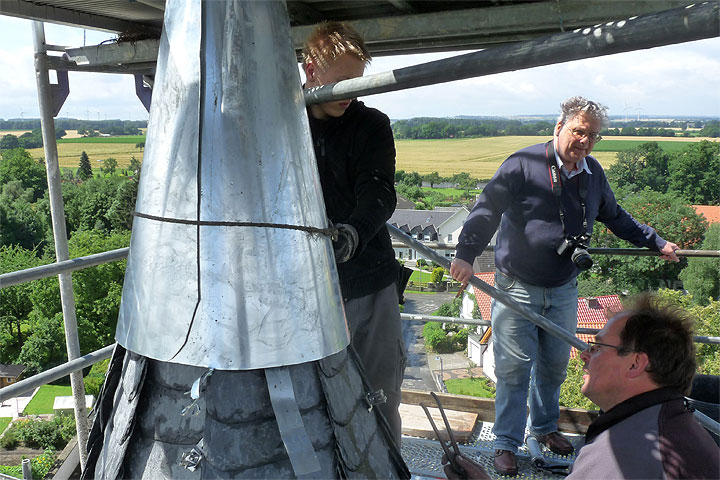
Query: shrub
point(570, 394)
point(9, 441)
point(42, 464)
point(95, 378)
point(437, 275)
point(44, 434)
point(436, 338)
point(421, 262)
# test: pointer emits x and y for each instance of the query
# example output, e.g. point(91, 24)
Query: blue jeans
point(527, 356)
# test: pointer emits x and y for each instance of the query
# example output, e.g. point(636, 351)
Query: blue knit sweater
point(519, 198)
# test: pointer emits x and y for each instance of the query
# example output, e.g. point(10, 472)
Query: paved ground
point(418, 373)
point(11, 407)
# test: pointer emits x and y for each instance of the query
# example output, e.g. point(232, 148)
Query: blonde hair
point(331, 39)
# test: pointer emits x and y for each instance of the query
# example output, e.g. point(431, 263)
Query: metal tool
point(451, 436)
point(543, 463)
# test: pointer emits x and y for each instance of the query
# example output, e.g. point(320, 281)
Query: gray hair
point(574, 106)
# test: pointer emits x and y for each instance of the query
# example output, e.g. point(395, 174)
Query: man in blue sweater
point(545, 198)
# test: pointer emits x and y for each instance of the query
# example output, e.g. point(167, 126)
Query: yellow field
point(17, 133)
point(480, 157)
point(69, 153)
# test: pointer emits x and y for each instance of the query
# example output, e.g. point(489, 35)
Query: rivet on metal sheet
point(375, 398)
point(197, 388)
point(191, 460)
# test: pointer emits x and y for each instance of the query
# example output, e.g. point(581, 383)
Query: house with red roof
point(710, 212)
point(593, 313)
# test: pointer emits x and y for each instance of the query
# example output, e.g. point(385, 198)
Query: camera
point(576, 246)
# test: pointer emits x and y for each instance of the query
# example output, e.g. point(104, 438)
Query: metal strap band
point(297, 443)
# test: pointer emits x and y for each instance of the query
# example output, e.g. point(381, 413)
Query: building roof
point(421, 218)
point(481, 298)
point(11, 371)
point(710, 212)
point(592, 312)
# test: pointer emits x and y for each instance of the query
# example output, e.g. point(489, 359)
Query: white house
point(442, 225)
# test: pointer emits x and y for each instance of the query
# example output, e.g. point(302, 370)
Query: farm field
point(480, 157)
point(69, 153)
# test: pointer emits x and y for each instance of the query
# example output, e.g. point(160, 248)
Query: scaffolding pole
point(57, 211)
point(684, 24)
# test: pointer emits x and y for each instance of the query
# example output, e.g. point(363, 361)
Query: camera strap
point(556, 186)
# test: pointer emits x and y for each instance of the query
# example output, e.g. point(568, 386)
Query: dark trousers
point(376, 335)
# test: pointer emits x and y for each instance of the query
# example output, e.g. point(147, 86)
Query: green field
point(42, 402)
point(123, 139)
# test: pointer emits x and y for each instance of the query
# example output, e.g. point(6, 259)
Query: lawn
point(4, 422)
point(43, 400)
point(477, 387)
point(422, 277)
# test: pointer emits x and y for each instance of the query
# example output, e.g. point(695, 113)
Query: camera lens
point(581, 258)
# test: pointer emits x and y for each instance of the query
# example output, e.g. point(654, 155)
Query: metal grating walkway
point(423, 456)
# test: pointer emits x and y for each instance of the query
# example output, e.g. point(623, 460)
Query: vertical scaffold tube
point(57, 211)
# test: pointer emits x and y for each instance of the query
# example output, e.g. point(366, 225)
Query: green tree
point(85, 170)
point(45, 347)
point(18, 164)
point(9, 142)
point(643, 166)
point(432, 178)
point(135, 165)
point(672, 218)
point(109, 166)
point(695, 173)
point(21, 223)
point(711, 129)
point(702, 275)
point(707, 323)
point(120, 213)
point(16, 303)
point(412, 179)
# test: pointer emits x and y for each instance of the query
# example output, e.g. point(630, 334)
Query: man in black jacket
point(355, 153)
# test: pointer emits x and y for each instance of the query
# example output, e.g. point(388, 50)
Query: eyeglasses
point(580, 134)
point(595, 346)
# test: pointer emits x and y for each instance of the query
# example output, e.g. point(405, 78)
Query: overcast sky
point(678, 80)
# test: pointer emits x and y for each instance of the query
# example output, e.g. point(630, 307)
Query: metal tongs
point(455, 449)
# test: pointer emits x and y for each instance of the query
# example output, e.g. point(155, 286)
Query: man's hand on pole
point(668, 252)
point(461, 271)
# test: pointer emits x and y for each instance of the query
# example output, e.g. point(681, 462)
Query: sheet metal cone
point(228, 141)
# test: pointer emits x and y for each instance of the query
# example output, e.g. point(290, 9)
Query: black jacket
point(356, 161)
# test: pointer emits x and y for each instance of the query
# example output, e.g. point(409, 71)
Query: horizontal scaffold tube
point(684, 24)
point(486, 323)
point(44, 271)
point(499, 295)
point(635, 252)
point(55, 373)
